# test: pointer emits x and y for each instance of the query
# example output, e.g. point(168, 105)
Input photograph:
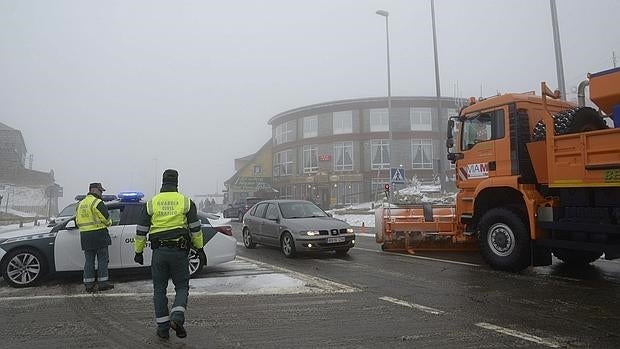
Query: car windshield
point(301, 210)
point(68, 211)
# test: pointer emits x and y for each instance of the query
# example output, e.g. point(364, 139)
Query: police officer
point(172, 225)
point(93, 220)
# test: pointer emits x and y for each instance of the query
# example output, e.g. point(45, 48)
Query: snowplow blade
point(422, 227)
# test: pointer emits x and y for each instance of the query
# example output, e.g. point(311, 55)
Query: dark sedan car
point(295, 226)
point(239, 208)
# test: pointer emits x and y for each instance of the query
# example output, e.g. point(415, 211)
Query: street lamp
point(389, 84)
point(559, 66)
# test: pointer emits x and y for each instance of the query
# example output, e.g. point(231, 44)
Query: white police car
point(26, 255)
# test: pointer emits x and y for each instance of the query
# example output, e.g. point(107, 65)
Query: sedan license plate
point(335, 240)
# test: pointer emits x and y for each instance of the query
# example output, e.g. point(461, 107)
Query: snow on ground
point(239, 277)
point(356, 220)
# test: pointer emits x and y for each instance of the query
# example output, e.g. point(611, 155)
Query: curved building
point(340, 152)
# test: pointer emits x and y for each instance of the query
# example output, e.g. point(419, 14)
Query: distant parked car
point(240, 207)
point(295, 226)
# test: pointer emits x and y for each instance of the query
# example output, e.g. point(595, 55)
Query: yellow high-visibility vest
point(167, 211)
point(88, 217)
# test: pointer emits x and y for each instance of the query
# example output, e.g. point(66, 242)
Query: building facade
point(252, 176)
point(340, 153)
point(24, 189)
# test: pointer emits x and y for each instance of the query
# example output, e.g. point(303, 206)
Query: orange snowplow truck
point(525, 193)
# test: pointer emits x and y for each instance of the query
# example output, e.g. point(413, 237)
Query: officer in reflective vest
point(172, 224)
point(93, 220)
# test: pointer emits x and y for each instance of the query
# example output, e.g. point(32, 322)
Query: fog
point(118, 91)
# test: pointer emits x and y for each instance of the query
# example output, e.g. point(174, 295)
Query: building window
point(451, 112)
point(311, 158)
point(343, 156)
point(285, 132)
point(258, 170)
point(346, 193)
point(380, 154)
point(422, 153)
point(379, 120)
point(283, 163)
point(343, 122)
point(420, 119)
point(311, 126)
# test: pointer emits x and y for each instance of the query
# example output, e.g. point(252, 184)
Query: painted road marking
point(420, 257)
point(413, 305)
point(525, 336)
point(334, 286)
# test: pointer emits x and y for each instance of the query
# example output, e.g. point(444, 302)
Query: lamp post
point(558, 49)
point(389, 82)
point(389, 98)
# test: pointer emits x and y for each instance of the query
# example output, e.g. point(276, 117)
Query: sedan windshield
point(300, 210)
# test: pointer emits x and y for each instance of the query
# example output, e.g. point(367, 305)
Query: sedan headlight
point(311, 233)
point(349, 230)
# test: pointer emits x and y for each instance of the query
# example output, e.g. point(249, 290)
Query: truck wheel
point(574, 120)
point(576, 258)
point(504, 240)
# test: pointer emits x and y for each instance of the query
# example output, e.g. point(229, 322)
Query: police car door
point(129, 221)
point(116, 232)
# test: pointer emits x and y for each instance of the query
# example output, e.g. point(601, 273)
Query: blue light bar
point(130, 196)
point(106, 198)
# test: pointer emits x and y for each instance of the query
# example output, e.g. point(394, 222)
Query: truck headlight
point(349, 230)
point(312, 232)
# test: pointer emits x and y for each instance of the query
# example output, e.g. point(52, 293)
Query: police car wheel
point(197, 260)
point(24, 267)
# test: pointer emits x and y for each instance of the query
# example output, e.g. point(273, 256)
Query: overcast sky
point(117, 91)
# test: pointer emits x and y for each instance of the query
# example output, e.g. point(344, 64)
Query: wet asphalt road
point(393, 301)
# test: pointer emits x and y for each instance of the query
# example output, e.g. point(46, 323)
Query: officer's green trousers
point(170, 263)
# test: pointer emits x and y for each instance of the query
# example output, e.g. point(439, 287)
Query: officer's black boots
point(90, 288)
point(106, 286)
point(163, 334)
point(179, 329)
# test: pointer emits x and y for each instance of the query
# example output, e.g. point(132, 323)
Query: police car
point(26, 255)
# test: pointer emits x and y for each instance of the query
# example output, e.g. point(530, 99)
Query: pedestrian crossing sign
point(397, 175)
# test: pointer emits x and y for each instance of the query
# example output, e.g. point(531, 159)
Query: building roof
point(339, 105)
point(248, 160)
point(4, 127)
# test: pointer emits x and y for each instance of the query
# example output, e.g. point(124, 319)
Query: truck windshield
point(481, 128)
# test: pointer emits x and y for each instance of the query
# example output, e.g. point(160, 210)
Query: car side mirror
point(449, 143)
point(455, 156)
point(71, 225)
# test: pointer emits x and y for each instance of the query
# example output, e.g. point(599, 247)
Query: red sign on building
point(325, 157)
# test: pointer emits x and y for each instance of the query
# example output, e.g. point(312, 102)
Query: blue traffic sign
point(397, 175)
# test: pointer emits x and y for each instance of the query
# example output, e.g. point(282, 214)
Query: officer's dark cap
point(171, 176)
point(96, 185)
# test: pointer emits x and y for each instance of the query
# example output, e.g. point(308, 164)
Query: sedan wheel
point(24, 268)
point(288, 245)
point(247, 239)
point(196, 262)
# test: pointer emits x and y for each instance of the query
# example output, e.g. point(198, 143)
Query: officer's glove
point(139, 258)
